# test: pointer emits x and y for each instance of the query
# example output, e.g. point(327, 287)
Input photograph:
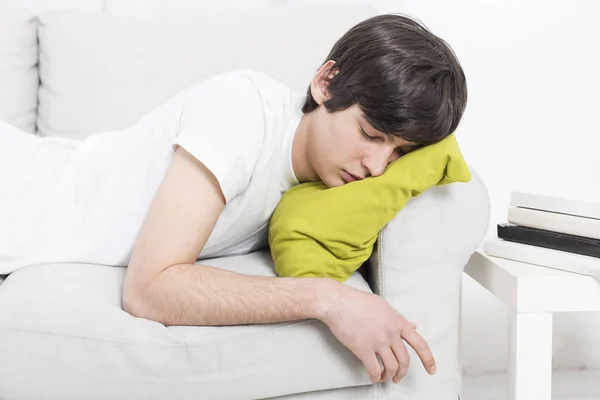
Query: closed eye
point(369, 137)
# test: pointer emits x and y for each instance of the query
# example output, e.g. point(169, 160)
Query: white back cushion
point(18, 68)
point(103, 72)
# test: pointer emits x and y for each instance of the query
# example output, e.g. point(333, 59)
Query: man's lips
point(350, 177)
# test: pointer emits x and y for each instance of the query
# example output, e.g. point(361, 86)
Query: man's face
point(344, 147)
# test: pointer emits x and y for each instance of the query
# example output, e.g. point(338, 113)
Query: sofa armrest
point(417, 267)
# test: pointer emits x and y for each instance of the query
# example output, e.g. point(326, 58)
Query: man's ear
point(319, 86)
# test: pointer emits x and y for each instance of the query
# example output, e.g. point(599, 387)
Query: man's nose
point(378, 162)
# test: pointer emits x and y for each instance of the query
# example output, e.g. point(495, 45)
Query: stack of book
point(555, 232)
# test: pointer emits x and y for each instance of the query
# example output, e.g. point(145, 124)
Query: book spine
point(579, 226)
point(550, 258)
point(550, 240)
point(578, 208)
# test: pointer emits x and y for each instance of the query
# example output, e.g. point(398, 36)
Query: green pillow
point(317, 231)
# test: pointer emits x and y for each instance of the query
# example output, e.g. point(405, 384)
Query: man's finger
point(421, 347)
point(403, 358)
point(390, 364)
point(371, 363)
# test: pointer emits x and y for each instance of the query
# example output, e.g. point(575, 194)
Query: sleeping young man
point(200, 176)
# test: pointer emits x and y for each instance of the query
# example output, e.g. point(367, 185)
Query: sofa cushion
point(103, 72)
point(63, 334)
point(18, 68)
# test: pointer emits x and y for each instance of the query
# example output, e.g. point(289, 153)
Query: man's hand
point(369, 327)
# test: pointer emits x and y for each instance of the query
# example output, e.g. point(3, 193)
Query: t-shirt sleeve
point(222, 125)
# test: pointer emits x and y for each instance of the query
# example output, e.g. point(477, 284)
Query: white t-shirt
point(85, 201)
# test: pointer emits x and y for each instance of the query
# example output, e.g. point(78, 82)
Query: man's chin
point(331, 183)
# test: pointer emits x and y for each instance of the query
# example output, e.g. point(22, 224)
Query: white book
point(543, 257)
point(555, 222)
point(582, 203)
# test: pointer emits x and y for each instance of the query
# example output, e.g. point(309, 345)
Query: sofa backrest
point(18, 69)
point(103, 72)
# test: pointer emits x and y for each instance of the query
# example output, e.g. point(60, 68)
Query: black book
point(549, 239)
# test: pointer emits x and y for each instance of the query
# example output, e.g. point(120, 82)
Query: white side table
point(532, 294)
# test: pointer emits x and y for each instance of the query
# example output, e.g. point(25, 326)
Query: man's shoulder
point(245, 84)
point(263, 82)
point(254, 75)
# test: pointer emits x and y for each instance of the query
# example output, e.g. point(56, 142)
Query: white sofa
point(63, 333)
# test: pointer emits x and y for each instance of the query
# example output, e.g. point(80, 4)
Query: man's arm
point(163, 284)
point(188, 294)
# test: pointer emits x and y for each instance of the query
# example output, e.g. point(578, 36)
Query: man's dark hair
point(407, 81)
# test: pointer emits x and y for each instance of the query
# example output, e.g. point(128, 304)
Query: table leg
point(529, 356)
point(459, 354)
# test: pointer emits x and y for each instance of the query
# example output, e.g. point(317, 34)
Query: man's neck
point(300, 157)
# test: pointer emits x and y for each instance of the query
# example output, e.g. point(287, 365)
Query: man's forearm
point(189, 294)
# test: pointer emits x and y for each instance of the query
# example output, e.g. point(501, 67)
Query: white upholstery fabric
point(348, 393)
point(18, 68)
point(64, 335)
point(102, 72)
point(417, 267)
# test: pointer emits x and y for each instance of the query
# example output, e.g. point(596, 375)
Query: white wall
point(533, 71)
